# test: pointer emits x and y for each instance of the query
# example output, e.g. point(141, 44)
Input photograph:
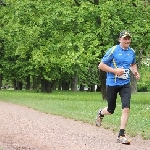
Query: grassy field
point(83, 106)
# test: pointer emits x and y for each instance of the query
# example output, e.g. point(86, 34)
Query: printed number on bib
point(125, 75)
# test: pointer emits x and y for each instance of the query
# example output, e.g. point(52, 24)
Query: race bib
point(125, 75)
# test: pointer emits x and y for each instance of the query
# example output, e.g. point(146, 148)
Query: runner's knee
point(125, 106)
point(111, 111)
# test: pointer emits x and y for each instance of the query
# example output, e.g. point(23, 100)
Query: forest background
point(49, 45)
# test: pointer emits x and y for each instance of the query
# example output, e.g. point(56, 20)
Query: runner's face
point(125, 42)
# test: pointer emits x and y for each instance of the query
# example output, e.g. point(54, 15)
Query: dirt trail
point(22, 128)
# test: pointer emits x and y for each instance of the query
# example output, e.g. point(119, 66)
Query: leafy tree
point(53, 41)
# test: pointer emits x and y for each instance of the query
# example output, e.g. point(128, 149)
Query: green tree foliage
point(59, 40)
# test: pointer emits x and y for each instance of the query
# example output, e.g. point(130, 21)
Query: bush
point(143, 88)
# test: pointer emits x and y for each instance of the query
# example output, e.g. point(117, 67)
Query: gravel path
point(23, 128)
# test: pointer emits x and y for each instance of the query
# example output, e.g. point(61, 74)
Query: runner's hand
point(119, 71)
point(137, 75)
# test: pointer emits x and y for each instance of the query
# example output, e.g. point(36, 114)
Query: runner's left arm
point(133, 69)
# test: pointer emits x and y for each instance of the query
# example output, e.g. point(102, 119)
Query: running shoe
point(99, 118)
point(123, 140)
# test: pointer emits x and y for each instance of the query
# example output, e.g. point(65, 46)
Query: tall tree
point(2, 4)
point(56, 40)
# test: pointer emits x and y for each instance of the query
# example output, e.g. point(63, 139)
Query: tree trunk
point(2, 56)
point(46, 86)
point(59, 85)
point(36, 83)
point(19, 85)
point(43, 85)
point(98, 88)
point(93, 88)
point(2, 45)
point(65, 85)
point(133, 83)
point(53, 85)
point(133, 79)
point(0, 81)
point(14, 84)
point(82, 87)
point(74, 83)
point(89, 88)
point(28, 83)
point(103, 84)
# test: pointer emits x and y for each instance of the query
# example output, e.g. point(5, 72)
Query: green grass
point(83, 106)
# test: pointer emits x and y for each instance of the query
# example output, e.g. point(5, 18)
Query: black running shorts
point(124, 92)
